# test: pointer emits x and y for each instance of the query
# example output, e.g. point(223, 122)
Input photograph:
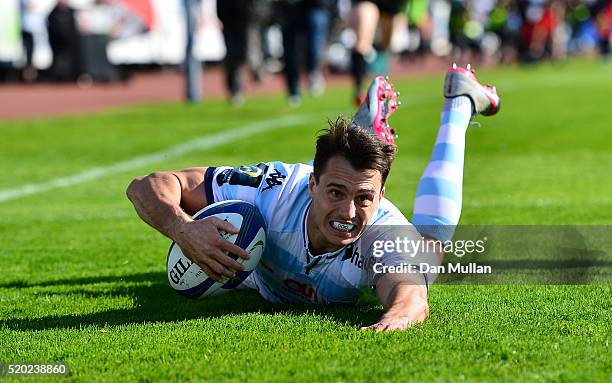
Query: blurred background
point(253, 46)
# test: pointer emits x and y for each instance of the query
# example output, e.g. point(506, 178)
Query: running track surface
point(23, 101)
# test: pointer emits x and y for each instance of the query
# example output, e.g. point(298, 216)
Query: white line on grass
point(201, 143)
point(67, 217)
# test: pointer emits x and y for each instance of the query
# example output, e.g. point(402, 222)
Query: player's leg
point(290, 28)
point(365, 16)
point(235, 40)
point(317, 26)
point(437, 206)
point(234, 18)
point(379, 65)
point(379, 61)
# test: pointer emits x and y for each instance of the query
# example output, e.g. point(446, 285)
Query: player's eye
point(364, 200)
point(335, 193)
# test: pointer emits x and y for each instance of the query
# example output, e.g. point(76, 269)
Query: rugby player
point(323, 221)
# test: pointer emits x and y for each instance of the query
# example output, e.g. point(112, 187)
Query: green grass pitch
point(83, 279)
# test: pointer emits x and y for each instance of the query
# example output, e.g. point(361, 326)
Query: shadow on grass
point(155, 302)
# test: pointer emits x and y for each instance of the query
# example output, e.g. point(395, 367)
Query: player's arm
point(166, 201)
point(404, 297)
point(405, 300)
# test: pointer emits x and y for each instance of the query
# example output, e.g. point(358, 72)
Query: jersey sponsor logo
point(243, 175)
point(275, 178)
point(353, 256)
point(302, 289)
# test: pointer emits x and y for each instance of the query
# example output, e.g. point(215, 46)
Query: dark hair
point(360, 148)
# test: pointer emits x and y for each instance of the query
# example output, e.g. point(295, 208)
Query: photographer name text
point(425, 268)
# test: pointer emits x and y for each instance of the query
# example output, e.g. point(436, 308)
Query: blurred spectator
point(485, 31)
point(466, 30)
point(603, 19)
point(367, 15)
point(419, 17)
point(242, 36)
point(538, 24)
point(310, 19)
point(31, 25)
point(65, 42)
point(504, 21)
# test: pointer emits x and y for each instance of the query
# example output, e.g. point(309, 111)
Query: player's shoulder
point(289, 169)
point(264, 176)
point(388, 214)
point(280, 176)
point(388, 223)
point(283, 195)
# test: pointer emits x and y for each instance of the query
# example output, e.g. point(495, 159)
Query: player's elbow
point(136, 186)
point(133, 187)
point(143, 184)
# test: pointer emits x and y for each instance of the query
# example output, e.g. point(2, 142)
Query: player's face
point(343, 202)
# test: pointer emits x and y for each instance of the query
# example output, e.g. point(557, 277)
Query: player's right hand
point(203, 242)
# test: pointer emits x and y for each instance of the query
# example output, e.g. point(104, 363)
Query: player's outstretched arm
point(165, 200)
point(404, 297)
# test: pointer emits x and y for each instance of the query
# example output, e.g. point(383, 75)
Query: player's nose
point(348, 210)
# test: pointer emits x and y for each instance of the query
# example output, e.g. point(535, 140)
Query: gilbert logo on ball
point(189, 280)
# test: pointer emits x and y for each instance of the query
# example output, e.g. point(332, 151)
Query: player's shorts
point(387, 7)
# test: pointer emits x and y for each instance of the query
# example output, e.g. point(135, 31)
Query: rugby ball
point(189, 280)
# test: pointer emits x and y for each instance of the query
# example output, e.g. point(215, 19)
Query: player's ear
point(382, 194)
point(311, 184)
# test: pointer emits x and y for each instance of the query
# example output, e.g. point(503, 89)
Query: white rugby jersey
point(288, 272)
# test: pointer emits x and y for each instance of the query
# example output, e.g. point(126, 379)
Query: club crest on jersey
point(251, 171)
point(275, 178)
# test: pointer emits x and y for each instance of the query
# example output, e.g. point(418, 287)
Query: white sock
point(437, 206)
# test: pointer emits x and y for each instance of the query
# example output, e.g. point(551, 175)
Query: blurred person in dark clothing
point(241, 33)
point(603, 20)
point(31, 24)
point(65, 41)
point(311, 19)
point(235, 16)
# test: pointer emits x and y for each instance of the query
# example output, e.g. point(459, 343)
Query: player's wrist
point(176, 228)
point(406, 298)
